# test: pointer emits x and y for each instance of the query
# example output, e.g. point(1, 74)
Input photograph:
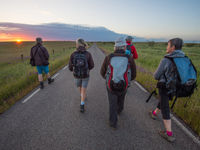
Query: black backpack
point(80, 63)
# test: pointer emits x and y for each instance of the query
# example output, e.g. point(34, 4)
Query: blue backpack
point(182, 81)
point(128, 50)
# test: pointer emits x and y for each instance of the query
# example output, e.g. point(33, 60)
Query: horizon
point(157, 19)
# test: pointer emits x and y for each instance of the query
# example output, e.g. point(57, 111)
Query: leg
point(40, 78)
point(121, 99)
point(112, 108)
point(165, 110)
point(153, 114)
point(82, 106)
point(46, 70)
point(83, 94)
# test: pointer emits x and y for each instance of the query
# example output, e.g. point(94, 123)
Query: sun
point(18, 41)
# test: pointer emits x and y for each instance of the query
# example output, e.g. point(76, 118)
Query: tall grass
point(17, 77)
point(149, 58)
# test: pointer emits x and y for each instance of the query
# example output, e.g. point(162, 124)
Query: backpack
point(118, 75)
point(128, 49)
point(182, 80)
point(185, 78)
point(32, 60)
point(80, 63)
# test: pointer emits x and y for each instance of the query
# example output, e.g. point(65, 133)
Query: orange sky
point(14, 37)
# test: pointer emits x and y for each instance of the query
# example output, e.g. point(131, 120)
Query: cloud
point(5, 36)
point(4, 28)
point(46, 13)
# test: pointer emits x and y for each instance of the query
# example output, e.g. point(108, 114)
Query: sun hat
point(120, 42)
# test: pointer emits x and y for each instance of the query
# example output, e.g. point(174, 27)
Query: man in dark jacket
point(41, 57)
point(116, 97)
point(81, 62)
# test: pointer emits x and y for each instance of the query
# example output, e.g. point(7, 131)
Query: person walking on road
point(164, 72)
point(118, 69)
point(40, 59)
point(81, 62)
point(130, 48)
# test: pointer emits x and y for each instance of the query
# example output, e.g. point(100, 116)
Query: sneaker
point(82, 108)
point(154, 117)
point(50, 80)
point(166, 137)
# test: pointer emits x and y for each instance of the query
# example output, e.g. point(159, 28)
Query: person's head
point(129, 39)
point(81, 42)
point(120, 44)
point(39, 40)
point(174, 44)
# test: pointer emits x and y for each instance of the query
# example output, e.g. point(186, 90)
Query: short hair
point(177, 42)
point(39, 40)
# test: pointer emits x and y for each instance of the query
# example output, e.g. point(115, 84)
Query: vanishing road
point(50, 119)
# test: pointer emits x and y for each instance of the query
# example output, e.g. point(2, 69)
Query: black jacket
point(40, 55)
point(88, 56)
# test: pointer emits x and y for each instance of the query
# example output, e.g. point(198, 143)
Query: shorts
point(82, 82)
point(40, 69)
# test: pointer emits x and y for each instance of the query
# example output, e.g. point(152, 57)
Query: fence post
point(22, 57)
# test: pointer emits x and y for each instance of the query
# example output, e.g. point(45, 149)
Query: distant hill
point(61, 32)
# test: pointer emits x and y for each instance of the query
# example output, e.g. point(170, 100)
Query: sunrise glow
point(18, 41)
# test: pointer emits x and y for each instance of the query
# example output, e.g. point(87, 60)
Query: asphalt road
point(51, 120)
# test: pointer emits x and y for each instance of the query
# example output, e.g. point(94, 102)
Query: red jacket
point(133, 50)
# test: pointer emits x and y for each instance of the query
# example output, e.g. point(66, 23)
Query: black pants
point(116, 105)
point(163, 104)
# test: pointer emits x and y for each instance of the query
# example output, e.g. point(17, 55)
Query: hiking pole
point(154, 92)
point(174, 102)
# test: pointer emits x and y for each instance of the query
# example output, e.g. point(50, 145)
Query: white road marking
point(65, 67)
point(31, 95)
point(55, 75)
point(195, 139)
point(140, 86)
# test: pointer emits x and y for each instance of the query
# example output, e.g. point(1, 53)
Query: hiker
point(40, 59)
point(164, 72)
point(81, 62)
point(130, 48)
point(116, 69)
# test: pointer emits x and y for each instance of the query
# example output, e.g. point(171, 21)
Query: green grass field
point(17, 76)
point(149, 59)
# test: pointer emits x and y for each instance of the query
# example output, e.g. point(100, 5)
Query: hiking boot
point(154, 117)
point(166, 137)
point(82, 109)
point(113, 126)
point(50, 80)
point(41, 85)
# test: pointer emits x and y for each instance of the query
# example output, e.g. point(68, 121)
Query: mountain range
point(62, 32)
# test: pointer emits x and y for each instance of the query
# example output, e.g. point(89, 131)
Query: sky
point(142, 18)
